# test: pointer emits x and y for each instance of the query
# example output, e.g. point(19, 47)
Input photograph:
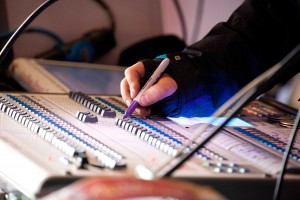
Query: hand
point(130, 86)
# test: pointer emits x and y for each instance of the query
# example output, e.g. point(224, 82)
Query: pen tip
point(125, 114)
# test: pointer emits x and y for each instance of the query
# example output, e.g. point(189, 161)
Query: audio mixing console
point(48, 137)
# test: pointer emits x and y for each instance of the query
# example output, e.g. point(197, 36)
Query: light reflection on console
point(187, 122)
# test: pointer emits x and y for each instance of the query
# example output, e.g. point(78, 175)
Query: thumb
point(164, 87)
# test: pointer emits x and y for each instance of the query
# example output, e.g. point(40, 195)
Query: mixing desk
point(49, 137)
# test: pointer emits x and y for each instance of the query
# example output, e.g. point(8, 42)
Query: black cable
point(86, 48)
point(292, 137)
point(181, 19)
point(60, 45)
point(56, 38)
point(109, 13)
point(20, 30)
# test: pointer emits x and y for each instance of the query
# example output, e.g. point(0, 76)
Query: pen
point(155, 76)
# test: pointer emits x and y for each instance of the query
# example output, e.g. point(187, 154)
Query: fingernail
point(127, 102)
point(131, 92)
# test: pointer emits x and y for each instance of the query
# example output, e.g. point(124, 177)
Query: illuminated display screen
point(88, 80)
point(203, 120)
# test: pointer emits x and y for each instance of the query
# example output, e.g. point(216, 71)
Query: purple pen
point(155, 76)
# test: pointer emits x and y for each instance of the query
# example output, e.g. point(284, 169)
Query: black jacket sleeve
point(256, 36)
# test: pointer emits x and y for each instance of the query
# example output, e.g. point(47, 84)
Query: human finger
point(130, 84)
point(164, 87)
point(133, 76)
point(125, 91)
